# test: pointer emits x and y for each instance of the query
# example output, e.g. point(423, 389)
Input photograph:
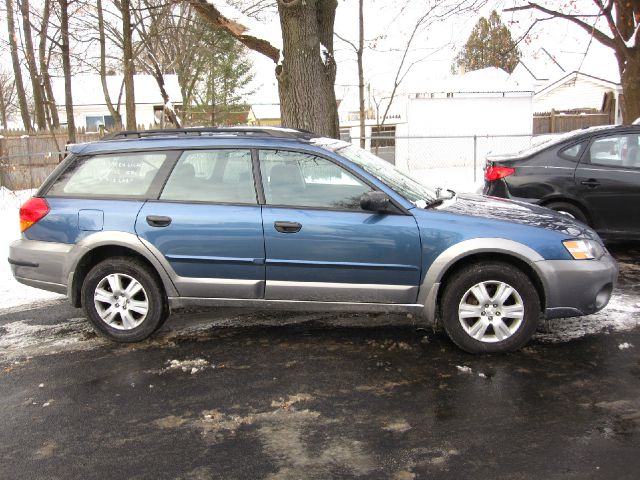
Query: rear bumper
point(40, 264)
point(577, 287)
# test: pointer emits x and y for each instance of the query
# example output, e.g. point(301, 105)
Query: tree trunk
point(115, 113)
point(3, 108)
point(13, 46)
point(128, 67)
point(630, 80)
point(50, 101)
point(306, 77)
point(36, 84)
point(66, 68)
point(359, 53)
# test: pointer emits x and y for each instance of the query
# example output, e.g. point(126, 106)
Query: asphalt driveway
point(230, 394)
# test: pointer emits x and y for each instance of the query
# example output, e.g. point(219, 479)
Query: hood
point(517, 212)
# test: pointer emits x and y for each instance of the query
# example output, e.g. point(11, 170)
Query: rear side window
point(126, 174)
point(572, 152)
point(214, 176)
point(616, 151)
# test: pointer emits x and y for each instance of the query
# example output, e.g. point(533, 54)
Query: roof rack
point(274, 132)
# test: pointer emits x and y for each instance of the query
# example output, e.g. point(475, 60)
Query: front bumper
point(40, 264)
point(577, 287)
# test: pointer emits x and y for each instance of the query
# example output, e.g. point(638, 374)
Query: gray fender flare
point(428, 293)
point(117, 239)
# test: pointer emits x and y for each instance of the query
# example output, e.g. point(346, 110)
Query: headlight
point(584, 249)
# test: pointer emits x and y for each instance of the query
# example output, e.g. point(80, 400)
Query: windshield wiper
point(439, 200)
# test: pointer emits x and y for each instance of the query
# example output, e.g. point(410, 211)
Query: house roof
point(87, 89)
point(574, 76)
point(486, 80)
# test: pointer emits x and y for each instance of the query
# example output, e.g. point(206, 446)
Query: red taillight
point(32, 211)
point(496, 173)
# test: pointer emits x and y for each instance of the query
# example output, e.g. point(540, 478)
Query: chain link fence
point(455, 162)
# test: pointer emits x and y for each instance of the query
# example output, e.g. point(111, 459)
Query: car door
point(207, 225)
point(321, 246)
point(608, 181)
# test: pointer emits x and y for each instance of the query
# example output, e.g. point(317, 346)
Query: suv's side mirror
point(375, 202)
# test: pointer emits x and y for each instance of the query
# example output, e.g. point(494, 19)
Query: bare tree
point(7, 98)
point(17, 71)
point(36, 84)
point(114, 111)
point(66, 68)
point(151, 25)
point(622, 18)
point(359, 50)
point(50, 103)
point(128, 64)
point(435, 12)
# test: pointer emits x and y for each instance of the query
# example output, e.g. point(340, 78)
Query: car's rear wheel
point(569, 210)
point(490, 307)
point(124, 300)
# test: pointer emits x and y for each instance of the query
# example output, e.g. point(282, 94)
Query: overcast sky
point(436, 47)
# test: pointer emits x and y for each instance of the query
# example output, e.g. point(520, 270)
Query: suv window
point(616, 151)
point(216, 176)
point(304, 180)
point(123, 174)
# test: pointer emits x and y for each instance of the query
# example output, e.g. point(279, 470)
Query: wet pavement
point(230, 394)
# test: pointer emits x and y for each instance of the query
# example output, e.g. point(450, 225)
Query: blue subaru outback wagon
point(142, 222)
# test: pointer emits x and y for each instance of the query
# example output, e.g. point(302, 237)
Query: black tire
point(151, 294)
point(569, 209)
point(493, 340)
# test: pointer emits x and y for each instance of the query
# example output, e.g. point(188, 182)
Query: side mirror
point(375, 202)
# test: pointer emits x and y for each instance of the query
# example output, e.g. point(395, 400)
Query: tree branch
point(212, 15)
point(591, 29)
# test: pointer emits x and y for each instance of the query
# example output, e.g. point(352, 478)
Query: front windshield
point(415, 192)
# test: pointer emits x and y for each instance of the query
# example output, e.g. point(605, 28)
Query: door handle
point(158, 220)
point(591, 183)
point(287, 227)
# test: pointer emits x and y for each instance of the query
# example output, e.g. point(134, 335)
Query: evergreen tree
point(489, 45)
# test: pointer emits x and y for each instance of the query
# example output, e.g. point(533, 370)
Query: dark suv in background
point(592, 175)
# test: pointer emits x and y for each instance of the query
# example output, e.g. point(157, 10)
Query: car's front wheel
point(123, 299)
point(490, 307)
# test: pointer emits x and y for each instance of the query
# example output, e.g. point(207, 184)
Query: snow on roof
point(264, 111)
point(574, 76)
point(485, 80)
point(87, 89)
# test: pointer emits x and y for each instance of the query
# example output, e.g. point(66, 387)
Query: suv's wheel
point(490, 307)
point(123, 299)
point(569, 210)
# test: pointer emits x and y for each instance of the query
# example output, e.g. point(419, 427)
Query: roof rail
point(275, 132)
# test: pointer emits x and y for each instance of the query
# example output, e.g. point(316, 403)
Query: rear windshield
point(123, 174)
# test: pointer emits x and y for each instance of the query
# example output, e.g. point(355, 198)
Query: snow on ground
point(620, 315)
point(12, 293)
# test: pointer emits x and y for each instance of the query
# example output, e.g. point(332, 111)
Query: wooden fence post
point(552, 121)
